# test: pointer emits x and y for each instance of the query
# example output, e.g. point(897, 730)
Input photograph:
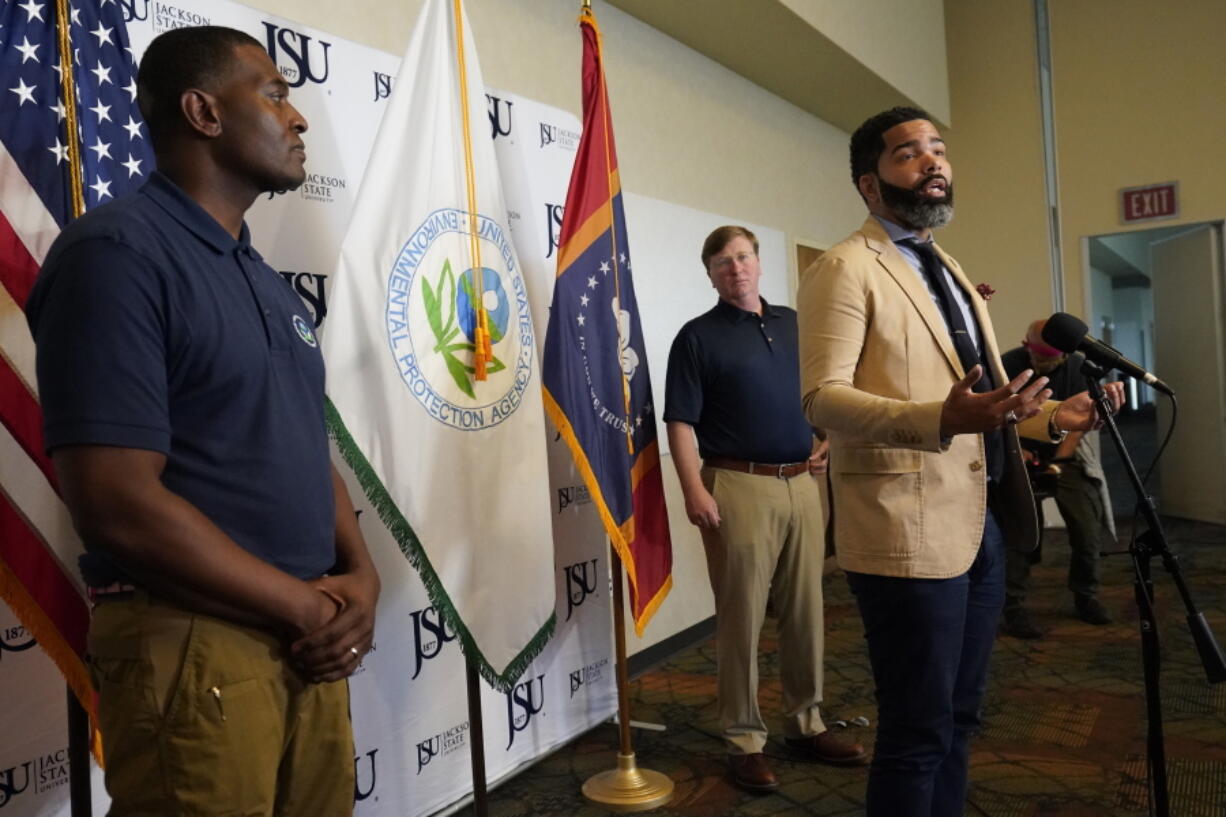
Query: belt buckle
point(779, 471)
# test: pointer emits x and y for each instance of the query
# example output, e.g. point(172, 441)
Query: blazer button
point(976, 465)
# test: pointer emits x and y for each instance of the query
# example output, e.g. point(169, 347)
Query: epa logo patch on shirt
point(304, 331)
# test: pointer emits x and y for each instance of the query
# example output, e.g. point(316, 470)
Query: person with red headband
point(1081, 494)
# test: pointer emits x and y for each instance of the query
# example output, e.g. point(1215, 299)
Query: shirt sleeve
point(100, 330)
point(683, 383)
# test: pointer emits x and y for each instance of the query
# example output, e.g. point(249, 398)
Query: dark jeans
point(929, 641)
point(1081, 504)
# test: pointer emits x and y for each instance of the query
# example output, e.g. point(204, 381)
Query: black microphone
point(1068, 334)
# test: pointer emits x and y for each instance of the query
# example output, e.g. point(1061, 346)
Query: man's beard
point(916, 211)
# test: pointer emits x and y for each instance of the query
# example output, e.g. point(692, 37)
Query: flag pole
point(76, 192)
point(80, 800)
point(626, 788)
point(476, 740)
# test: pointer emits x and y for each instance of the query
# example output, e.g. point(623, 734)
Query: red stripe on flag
point(26, 555)
point(20, 414)
point(652, 553)
point(596, 159)
point(18, 269)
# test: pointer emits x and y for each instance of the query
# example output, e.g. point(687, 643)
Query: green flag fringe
point(411, 547)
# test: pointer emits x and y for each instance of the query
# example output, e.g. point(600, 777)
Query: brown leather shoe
point(752, 773)
point(826, 748)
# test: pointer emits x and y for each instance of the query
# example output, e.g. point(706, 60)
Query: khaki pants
point(203, 718)
point(770, 542)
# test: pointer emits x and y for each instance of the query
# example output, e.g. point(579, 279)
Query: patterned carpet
point(1065, 716)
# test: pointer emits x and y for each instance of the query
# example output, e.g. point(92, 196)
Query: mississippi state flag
point(594, 366)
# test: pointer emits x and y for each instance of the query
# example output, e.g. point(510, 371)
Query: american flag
point(38, 548)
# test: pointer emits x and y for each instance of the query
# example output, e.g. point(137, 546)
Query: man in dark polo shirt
point(733, 382)
point(182, 387)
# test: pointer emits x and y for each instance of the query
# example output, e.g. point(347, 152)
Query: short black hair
point(867, 143)
point(179, 59)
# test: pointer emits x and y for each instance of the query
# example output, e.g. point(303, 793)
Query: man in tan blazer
point(900, 365)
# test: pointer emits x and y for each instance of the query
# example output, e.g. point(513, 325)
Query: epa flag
point(38, 547)
point(453, 462)
point(595, 365)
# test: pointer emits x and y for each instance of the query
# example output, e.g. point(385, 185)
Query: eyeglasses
point(723, 262)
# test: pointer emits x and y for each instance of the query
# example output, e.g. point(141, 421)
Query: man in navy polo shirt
point(733, 382)
point(182, 388)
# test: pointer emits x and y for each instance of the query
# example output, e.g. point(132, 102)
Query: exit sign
point(1149, 203)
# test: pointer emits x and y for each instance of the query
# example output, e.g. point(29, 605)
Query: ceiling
point(769, 44)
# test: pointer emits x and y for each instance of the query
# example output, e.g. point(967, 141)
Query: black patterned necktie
point(968, 355)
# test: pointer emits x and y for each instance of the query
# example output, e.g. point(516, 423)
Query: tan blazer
point(876, 364)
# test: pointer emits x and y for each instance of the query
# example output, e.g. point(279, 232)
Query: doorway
point(1157, 296)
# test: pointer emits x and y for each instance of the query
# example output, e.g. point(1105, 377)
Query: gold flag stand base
point(628, 788)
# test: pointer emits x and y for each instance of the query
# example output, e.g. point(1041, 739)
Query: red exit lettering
point(1148, 203)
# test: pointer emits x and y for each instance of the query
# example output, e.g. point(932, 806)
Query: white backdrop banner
point(410, 717)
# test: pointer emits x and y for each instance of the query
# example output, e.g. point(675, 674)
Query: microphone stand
point(1152, 542)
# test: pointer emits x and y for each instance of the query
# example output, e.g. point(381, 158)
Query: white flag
point(455, 465)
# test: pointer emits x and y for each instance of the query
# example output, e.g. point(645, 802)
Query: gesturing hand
point(969, 412)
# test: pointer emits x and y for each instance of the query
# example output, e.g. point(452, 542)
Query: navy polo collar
point(735, 314)
point(183, 209)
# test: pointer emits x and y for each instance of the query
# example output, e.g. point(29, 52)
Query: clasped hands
point(969, 412)
point(344, 629)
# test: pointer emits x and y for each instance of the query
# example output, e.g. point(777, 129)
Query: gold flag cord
point(69, 101)
point(482, 347)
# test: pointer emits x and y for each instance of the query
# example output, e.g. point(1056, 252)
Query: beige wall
point(999, 232)
point(907, 50)
point(1146, 104)
point(1139, 98)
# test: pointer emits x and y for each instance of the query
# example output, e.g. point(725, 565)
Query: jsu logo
point(573, 495)
point(524, 702)
point(297, 48)
point(553, 226)
point(427, 749)
point(9, 787)
point(46, 772)
point(553, 135)
point(363, 789)
point(430, 632)
point(444, 743)
point(321, 187)
point(589, 674)
point(166, 16)
point(500, 116)
point(581, 582)
point(130, 11)
point(15, 639)
point(310, 287)
point(383, 85)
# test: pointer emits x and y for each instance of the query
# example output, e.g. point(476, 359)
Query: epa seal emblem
point(431, 317)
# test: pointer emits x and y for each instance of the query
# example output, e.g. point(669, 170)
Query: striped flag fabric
point(433, 382)
point(597, 390)
point(38, 547)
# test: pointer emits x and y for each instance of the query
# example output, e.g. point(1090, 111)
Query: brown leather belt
point(765, 469)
